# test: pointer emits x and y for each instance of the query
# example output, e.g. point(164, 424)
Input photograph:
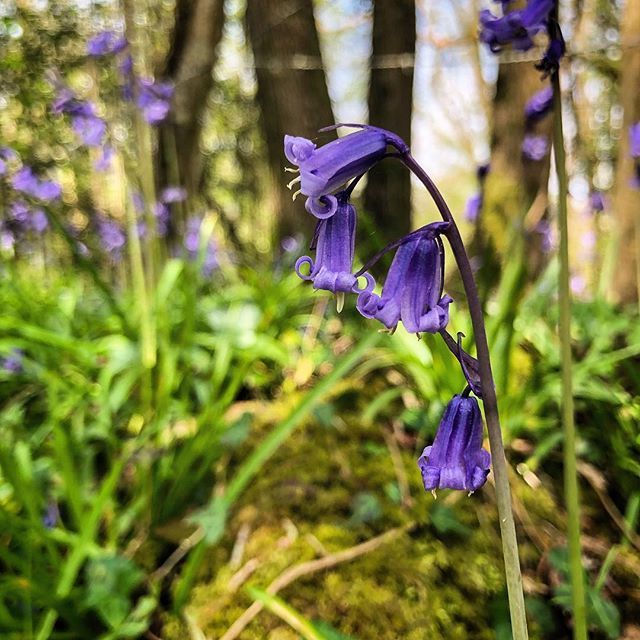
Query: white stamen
point(296, 194)
point(293, 182)
point(340, 301)
point(291, 170)
point(469, 494)
point(434, 494)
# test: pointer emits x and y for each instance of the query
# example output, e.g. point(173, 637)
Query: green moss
point(424, 584)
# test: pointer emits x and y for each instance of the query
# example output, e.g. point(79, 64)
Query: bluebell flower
point(51, 515)
point(162, 215)
point(325, 169)
point(534, 147)
point(192, 239)
point(335, 245)
point(173, 194)
point(154, 100)
point(26, 182)
point(412, 291)
point(634, 140)
point(13, 363)
point(516, 27)
point(473, 207)
point(90, 128)
point(597, 201)
point(111, 236)
point(456, 459)
point(555, 50)
point(103, 163)
point(539, 106)
point(546, 236)
point(106, 43)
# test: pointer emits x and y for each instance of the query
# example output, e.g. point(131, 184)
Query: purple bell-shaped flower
point(456, 459)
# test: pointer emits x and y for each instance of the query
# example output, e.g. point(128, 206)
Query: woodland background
point(219, 454)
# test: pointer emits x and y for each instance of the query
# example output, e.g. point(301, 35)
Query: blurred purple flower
point(26, 182)
point(51, 515)
point(535, 147)
point(290, 244)
point(192, 245)
point(173, 194)
point(546, 232)
point(90, 128)
point(539, 105)
point(154, 100)
point(162, 215)
point(111, 236)
point(13, 363)
point(634, 140)
point(412, 291)
point(473, 208)
point(517, 27)
point(597, 201)
point(20, 212)
point(578, 284)
point(138, 201)
point(106, 43)
point(103, 163)
point(39, 221)
point(456, 460)
point(335, 245)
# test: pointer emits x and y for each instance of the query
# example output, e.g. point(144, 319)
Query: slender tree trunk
point(197, 33)
point(388, 191)
point(516, 188)
point(627, 197)
point(292, 91)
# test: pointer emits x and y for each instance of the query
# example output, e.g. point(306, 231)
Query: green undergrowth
point(333, 486)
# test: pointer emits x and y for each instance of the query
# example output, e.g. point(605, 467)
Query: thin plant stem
point(568, 424)
point(489, 400)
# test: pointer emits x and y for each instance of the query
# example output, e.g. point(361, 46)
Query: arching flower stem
point(500, 470)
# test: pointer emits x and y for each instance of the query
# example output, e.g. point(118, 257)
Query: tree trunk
point(293, 99)
point(388, 190)
point(516, 188)
point(197, 32)
point(627, 197)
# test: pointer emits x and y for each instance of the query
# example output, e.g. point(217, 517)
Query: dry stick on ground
point(306, 568)
point(599, 485)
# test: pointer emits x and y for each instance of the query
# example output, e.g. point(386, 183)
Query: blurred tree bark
point(293, 99)
point(388, 190)
point(196, 35)
point(508, 240)
point(516, 188)
point(627, 198)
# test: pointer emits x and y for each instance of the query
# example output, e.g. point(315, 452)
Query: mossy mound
point(333, 485)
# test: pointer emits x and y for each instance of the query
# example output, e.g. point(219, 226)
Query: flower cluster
point(27, 192)
point(413, 287)
point(520, 27)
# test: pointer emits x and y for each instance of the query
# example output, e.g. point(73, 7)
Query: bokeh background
point(193, 442)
